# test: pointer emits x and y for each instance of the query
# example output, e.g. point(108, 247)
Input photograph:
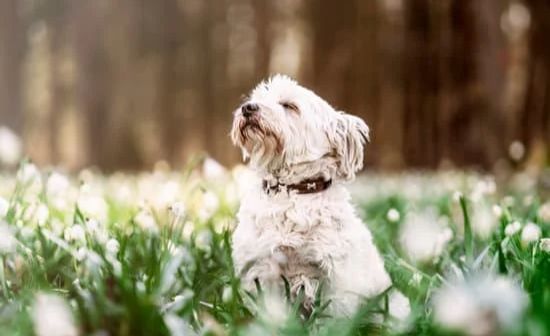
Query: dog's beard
point(261, 142)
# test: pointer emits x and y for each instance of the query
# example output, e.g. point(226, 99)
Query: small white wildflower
point(28, 173)
point(483, 220)
point(75, 233)
point(544, 212)
point(497, 211)
point(393, 215)
point(512, 228)
point(274, 309)
point(177, 325)
point(4, 207)
point(423, 237)
point(516, 150)
point(81, 254)
point(188, 229)
point(112, 246)
point(52, 316)
point(212, 169)
point(531, 232)
point(42, 214)
point(92, 225)
point(57, 184)
point(399, 305)
point(10, 147)
point(482, 305)
point(93, 206)
point(210, 204)
point(177, 210)
point(545, 244)
point(7, 239)
point(146, 221)
point(227, 294)
point(164, 194)
point(203, 239)
point(457, 195)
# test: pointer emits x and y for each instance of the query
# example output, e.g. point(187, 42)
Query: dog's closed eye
point(289, 106)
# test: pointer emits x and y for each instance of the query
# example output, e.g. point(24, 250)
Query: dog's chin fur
point(308, 239)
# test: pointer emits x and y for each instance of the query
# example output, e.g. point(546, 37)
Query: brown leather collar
point(309, 186)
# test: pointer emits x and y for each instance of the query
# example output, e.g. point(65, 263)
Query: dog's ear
point(347, 135)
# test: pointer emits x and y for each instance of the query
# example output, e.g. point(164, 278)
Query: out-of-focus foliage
point(150, 254)
point(123, 84)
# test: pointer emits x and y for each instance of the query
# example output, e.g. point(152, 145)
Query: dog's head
point(282, 124)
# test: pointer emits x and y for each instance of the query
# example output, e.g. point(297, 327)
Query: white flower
point(274, 309)
point(544, 212)
point(482, 305)
point(75, 233)
point(393, 215)
point(52, 316)
point(483, 220)
point(28, 173)
point(530, 233)
point(57, 184)
point(41, 214)
point(512, 228)
point(212, 169)
point(93, 206)
point(112, 246)
point(399, 305)
point(92, 225)
point(227, 294)
point(423, 237)
point(10, 147)
point(457, 195)
point(516, 150)
point(7, 239)
point(203, 240)
point(146, 221)
point(545, 244)
point(4, 207)
point(81, 253)
point(177, 325)
point(166, 193)
point(497, 210)
point(210, 204)
point(177, 210)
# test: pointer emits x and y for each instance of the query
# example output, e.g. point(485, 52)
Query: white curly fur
point(307, 238)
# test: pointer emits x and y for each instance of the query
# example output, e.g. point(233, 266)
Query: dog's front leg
point(265, 272)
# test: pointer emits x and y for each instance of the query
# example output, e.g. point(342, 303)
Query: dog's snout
point(249, 109)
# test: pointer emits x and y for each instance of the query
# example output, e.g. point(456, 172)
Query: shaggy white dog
point(297, 221)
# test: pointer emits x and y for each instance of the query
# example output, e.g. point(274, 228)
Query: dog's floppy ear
point(347, 135)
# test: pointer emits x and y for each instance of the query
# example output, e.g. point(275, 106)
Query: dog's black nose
point(249, 109)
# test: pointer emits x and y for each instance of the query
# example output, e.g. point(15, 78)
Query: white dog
point(298, 222)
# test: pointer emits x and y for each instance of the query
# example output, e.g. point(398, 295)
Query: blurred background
point(123, 84)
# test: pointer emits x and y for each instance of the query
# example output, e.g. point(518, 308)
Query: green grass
point(137, 265)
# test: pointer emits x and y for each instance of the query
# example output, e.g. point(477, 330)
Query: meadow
point(150, 254)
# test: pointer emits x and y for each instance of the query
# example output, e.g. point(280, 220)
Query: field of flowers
point(150, 254)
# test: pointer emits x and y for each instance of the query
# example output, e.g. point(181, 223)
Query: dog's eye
point(289, 106)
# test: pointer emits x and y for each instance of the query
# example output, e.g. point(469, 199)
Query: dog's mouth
point(253, 133)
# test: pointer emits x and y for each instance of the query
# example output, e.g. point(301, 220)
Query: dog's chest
point(301, 229)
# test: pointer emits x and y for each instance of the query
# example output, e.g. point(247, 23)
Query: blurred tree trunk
point(366, 60)
point(94, 83)
point(12, 48)
point(333, 36)
point(421, 81)
point(468, 134)
point(535, 119)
